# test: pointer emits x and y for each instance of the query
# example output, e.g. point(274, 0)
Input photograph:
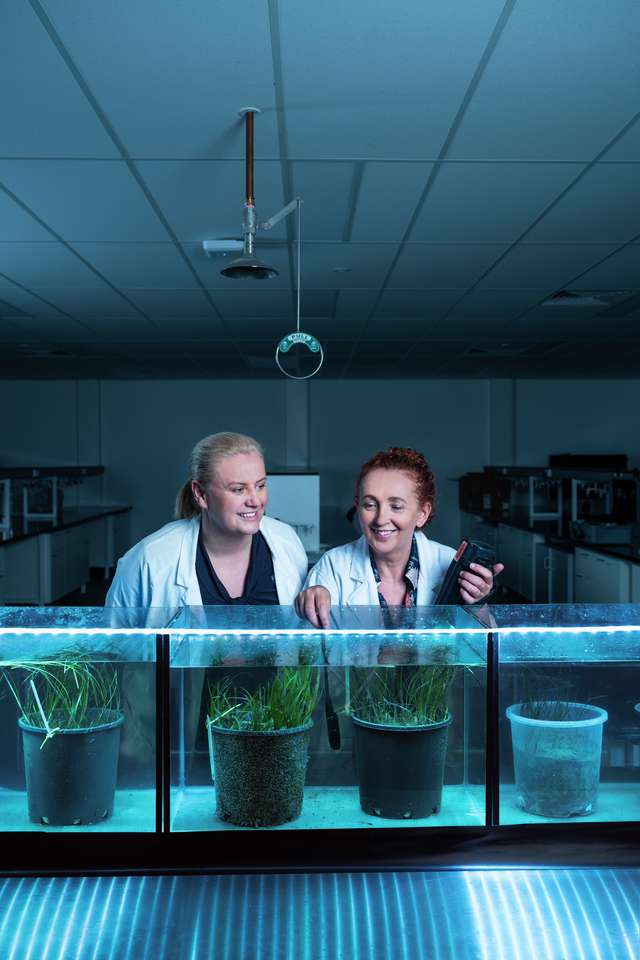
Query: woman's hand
point(314, 604)
point(477, 582)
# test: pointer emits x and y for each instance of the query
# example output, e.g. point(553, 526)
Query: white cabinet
point(109, 539)
point(507, 553)
point(76, 558)
point(20, 572)
point(46, 567)
point(554, 575)
point(64, 562)
point(635, 583)
point(600, 579)
point(560, 571)
point(517, 550)
point(529, 543)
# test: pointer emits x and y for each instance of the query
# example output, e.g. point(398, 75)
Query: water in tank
point(77, 708)
point(377, 721)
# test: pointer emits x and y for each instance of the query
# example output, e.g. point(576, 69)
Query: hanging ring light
point(299, 336)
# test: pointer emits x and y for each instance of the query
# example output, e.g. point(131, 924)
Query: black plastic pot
point(400, 769)
point(71, 779)
point(259, 776)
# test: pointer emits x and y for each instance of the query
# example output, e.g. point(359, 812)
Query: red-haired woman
point(391, 564)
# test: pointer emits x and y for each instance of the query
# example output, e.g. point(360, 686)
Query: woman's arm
point(321, 589)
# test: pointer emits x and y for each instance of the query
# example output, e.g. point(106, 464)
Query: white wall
point(150, 427)
point(576, 416)
point(349, 421)
point(143, 431)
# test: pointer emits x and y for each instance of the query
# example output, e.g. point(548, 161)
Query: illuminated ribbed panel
point(499, 914)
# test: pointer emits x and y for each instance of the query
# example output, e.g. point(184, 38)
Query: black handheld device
point(469, 551)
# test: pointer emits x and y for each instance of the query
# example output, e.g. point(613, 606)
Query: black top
point(259, 587)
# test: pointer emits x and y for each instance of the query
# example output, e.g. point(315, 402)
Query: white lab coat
point(347, 574)
point(160, 571)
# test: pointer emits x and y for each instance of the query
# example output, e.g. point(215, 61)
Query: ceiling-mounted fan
point(247, 266)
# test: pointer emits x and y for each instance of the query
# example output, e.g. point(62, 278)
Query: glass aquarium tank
point(569, 686)
point(78, 709)
point(378, 721)
point(234, 720)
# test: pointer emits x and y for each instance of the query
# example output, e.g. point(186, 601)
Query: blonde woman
point(221, 549)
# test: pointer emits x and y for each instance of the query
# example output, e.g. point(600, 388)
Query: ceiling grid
point(458, 169)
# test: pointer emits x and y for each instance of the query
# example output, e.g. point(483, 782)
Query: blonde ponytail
point(185, 507)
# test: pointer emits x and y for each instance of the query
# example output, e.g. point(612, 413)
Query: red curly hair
point(411, 461)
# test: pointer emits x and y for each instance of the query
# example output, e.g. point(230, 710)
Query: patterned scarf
point(411, 573)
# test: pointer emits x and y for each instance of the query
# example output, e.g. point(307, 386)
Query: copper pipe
point(250, 199)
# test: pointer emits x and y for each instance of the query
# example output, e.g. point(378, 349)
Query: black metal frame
point(546, 844)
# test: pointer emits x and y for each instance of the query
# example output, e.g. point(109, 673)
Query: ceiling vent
point(585, 298)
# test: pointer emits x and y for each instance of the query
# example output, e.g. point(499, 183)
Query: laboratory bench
point(42, 560)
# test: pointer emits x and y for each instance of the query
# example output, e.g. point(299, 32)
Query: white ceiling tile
point(325, 189)
point(408, 328)
point(432, 303)
point(355, 304)
point(134, 328)
point(10, 333)
point(388, 195)
point(204, 199)
point(10, 311)
point(44, 265)
point(338, 347)
point(444, 264)
point(46, 114)
point(619, 271)
point(335, 328)
point(208, 268)
point(496, 304)
point(27, 302)
point(173, 81)
point(378, 348)
point(562, 81)
point(170, 303)
point(138, 264)
point(84, 199)
point(254, 303)
point(543, 265)
point(316, 304)
point(55, 329)
point(18, 225)
point(603, 206)
point(559, 323)
point(367, 264)
point(436, 348)
point(369, 79)
point(196, 329)
point(628, 146)
point(489, 201)
point(272, 329)
point(87, 302)
point(470, 328)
